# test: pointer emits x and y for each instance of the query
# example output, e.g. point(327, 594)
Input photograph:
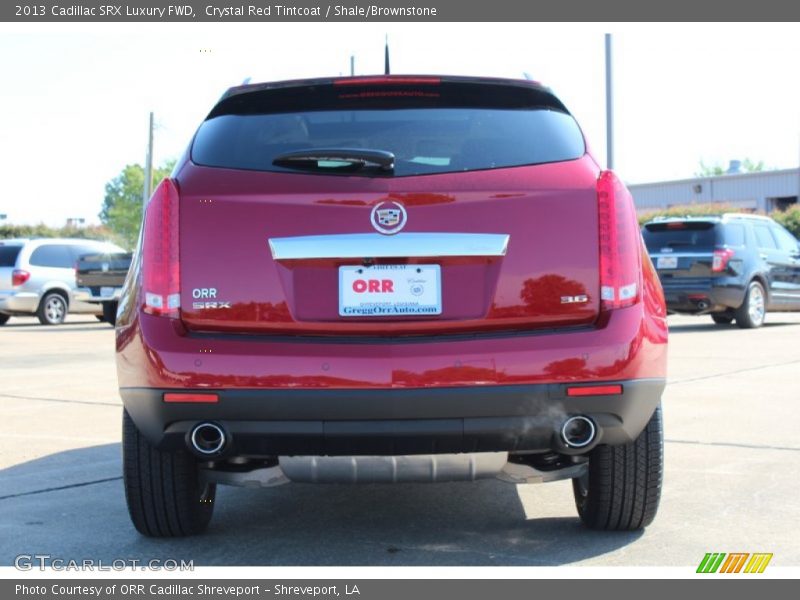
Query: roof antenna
point(527, 76)
point(386, 57)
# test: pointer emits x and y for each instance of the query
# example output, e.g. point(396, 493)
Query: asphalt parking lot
point(732, 458)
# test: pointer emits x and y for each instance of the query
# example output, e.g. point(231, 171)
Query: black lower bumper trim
point(523, 418)
point(703, 299)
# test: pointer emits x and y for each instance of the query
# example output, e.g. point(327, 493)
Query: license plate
point(390, 290)
point(667, 262)
point(107, 292)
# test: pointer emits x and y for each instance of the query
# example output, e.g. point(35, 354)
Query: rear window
point(52, 255)
point(8, 255)
point(433, 129)
point(680, 236)
point(734, 234)
point(764, 237)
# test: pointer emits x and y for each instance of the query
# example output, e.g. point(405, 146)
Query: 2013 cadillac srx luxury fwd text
point(390, 279)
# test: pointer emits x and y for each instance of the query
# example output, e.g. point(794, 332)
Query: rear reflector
point(595, 390)
point(195, 398)
point(160, 260)
point(387, 80)
point(620, 243)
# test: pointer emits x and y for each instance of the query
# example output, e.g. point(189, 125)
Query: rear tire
point(52, 309)
point(752, 312)
point(4, 318)
point(623, 487)
point(722, 319)
point(110, 313)
point(164, 491)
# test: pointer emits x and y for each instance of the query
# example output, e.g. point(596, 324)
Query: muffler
point(207, 439)
point(578, 432)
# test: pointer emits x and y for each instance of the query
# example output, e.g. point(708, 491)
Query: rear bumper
point(393, 396)
point(703, 297)
point(94, 294)
point(19, 302)
point(522, 418)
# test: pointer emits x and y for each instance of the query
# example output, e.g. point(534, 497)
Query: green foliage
point(748, 166)
point(705, 170)
point(789, 218)
point(93, 232)
point(122, 206)
point(687, 210)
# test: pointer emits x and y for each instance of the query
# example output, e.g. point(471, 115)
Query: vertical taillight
point(620, 246)
point(719, 263)
point(160, 253)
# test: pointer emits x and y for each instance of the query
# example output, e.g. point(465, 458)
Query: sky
point(75, 98)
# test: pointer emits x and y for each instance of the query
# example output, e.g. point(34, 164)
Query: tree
point(789, 218)
point(705, 170)
point(122, 206)
point(748, 166)
point(90, 232)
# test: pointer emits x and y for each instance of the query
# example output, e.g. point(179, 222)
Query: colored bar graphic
point(710, 562)
point(713, 562)
point(758, 562)
point(734, 562)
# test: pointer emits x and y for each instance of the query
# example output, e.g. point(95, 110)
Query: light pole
point(148, 165)
point(609, 107)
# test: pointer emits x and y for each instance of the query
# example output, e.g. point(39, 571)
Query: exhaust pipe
point(208, 439)
point(578, 432)
point(702, 305)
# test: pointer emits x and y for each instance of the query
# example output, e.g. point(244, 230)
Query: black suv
point(733, 266)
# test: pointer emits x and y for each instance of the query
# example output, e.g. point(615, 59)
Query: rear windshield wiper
point(336, 159)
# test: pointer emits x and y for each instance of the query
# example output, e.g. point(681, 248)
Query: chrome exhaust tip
point(578, 431)
point(208, 439)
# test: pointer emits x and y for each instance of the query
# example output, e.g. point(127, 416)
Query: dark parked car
point(394, 278)
point(733, 266)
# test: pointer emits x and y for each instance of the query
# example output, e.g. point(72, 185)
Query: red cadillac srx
point(390, 279)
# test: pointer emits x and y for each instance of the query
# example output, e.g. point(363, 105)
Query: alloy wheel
point(55, 309)
point(756, 303)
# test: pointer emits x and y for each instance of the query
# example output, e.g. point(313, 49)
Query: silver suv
point(37, 277)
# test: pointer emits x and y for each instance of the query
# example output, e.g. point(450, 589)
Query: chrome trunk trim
point(375, 245)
